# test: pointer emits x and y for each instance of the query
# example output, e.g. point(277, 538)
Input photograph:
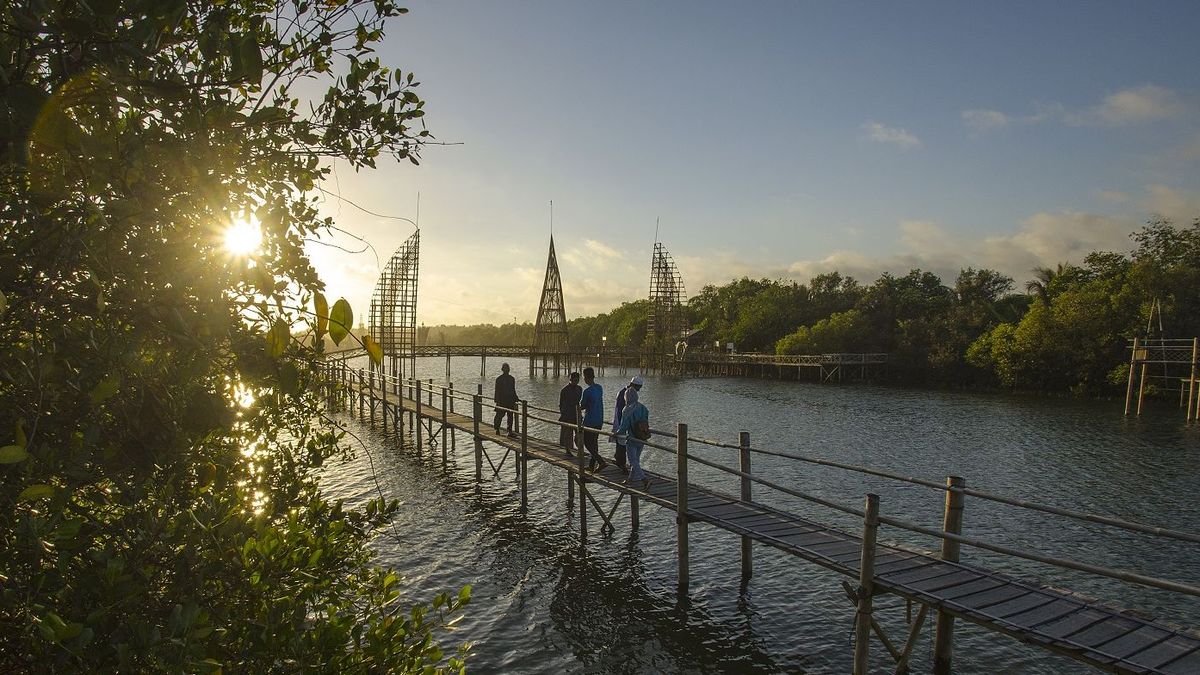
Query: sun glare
point(243, 237)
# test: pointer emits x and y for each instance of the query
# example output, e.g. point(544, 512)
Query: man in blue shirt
point(592, 403)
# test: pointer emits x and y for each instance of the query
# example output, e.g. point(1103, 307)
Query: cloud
point(601, 249)
point(1135, 105)
point(1114, 196)
point(1181, 207)
point(985, 120)
point(1043, 239)
point(879, 133)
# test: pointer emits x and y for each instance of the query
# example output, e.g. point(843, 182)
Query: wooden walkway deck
point(1105, 637)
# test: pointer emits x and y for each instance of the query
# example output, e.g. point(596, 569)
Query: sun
point(243, 237)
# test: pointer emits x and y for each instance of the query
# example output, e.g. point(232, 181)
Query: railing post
point(681, 505)
point(582, 480)
point(866, 587)
point(453, 436)
point(943, 640)
point(523, 459)
point(477, 405)
point(383, 406)
point(361, 399)
point(419, 426)
point(744, 464)
point(445, 399)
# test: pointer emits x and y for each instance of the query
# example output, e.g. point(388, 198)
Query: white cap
point(637, 380)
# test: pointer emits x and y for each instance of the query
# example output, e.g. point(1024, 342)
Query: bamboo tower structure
point(550, 331)
point(668, 321)
point(393, 318)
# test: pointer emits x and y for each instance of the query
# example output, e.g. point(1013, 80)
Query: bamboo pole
point(943, 641)
point(744, 463)
point(477, 409)
point(420, 427)
point(681, 505)
point(523, 459)
point(453, 435)
point(1141, 389)
point(866, 587)
point(1132, 366)
point(1192, 377)
point(445, 404)
point(371, 393)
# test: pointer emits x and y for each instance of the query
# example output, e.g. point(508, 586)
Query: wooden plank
point(1171, 649)
point(834, 548)
point(1026, 618)
point(1105, 631)
point(789, 530)
point(1134, 642)
point(1003, 594)
point(720, 510)
point(1186, 665)
point(754, 521)
point(898, 566)
point(1073, 623)
point(934, 585)
point(938, 569)
point(808, 539)
point(978, 586)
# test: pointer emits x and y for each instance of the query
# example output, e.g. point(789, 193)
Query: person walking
point(592, 403)
point(636, 383)
point(635, 429)
point(506, 399)
point(568, 409)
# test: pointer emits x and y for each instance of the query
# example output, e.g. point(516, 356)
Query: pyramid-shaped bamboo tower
point(550, 331)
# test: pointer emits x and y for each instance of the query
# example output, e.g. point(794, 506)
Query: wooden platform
point(1107, 638)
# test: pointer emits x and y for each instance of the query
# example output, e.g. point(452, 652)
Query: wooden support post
point(477, 409)
point(681, 506)
point(634, 519)
point(1141, 389)
point(362, 401)
point(483, 362)
point(523, 458)
point(744, 465)
point(445, 399)
point(943, 640)
point(383, 385)
point(1192, 377)
point(417, 413)
point(1132, 366)
point(866, 587)
point(453, 436)
point(582, 478)
point(447, 364)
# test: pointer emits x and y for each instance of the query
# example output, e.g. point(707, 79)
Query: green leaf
point(340, 321)
point(106, 389)
point(464, 595)
point(11, 454)
point(374, 349)
point(33, 492)
point(3, 302)
point(321, 308)
point(277, 338)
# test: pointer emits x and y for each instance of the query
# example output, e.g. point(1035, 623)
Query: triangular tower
point(668, 319)
point(550, 331)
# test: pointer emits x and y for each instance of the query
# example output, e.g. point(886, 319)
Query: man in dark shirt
point(568, 403)
point(506, 397)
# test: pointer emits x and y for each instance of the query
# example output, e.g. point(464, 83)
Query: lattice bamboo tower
point(667, 321)
point(393, 321)
point(550, 331)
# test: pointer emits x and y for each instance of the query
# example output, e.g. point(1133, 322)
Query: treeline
point(1065, 329)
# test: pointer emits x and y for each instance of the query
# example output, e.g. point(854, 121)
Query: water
point(542, 604)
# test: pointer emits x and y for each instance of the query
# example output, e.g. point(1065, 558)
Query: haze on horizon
point(778, 140)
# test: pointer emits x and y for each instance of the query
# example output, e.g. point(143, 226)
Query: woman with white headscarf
point(635, 430)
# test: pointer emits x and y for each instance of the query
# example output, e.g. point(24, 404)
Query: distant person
point(636, 383)
point(635, 428)
point(568, 413)
point(592, 403)
point(506, 397)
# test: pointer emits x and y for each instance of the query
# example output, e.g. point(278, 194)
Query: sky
point(769, 139)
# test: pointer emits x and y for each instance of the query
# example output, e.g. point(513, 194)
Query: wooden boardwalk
point(1105, 637)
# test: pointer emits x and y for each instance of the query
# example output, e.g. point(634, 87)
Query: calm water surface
point(542, 604)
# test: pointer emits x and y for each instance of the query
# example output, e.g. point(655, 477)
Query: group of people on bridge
point(630, 420)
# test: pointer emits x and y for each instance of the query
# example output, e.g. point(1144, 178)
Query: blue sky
point(777, 139)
